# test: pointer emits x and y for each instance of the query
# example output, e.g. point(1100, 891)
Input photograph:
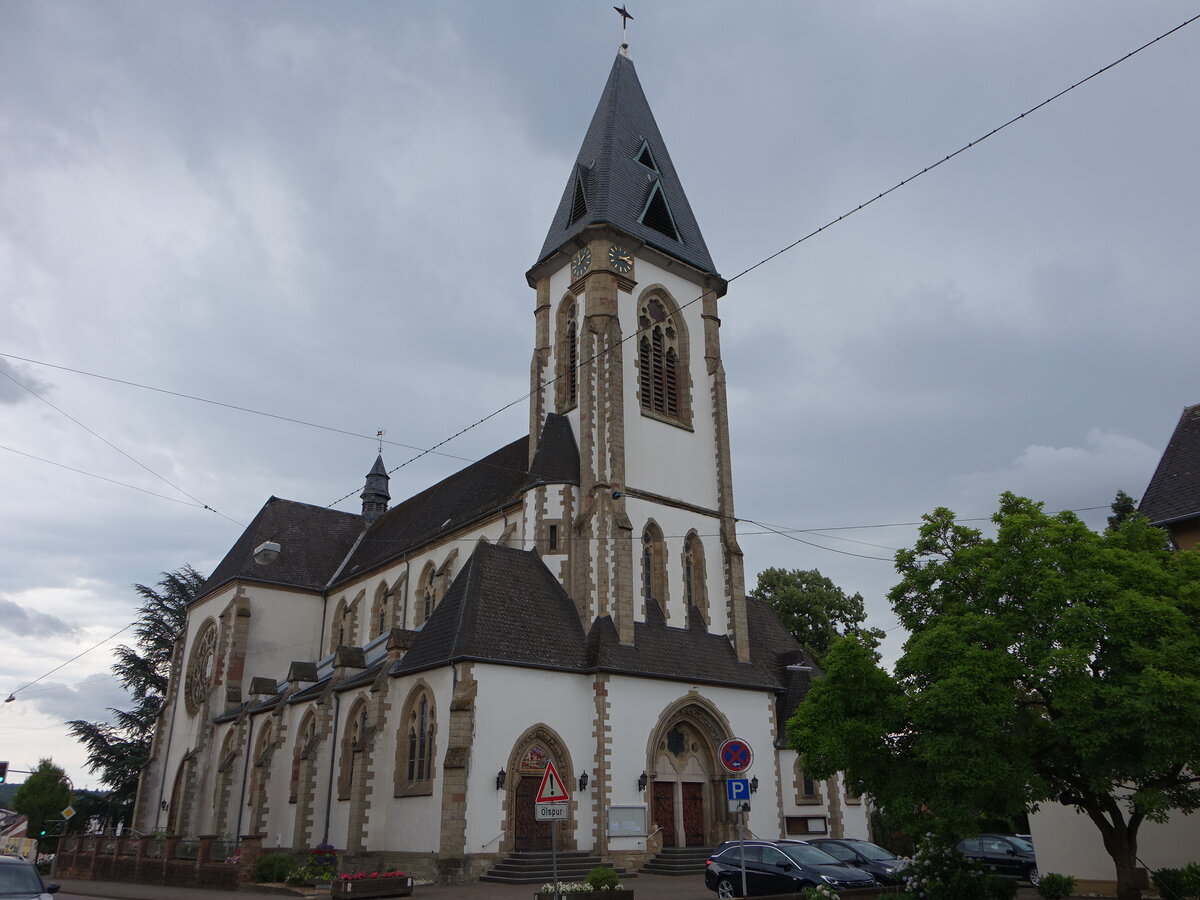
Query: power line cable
point(129, 457)
point(13, 696)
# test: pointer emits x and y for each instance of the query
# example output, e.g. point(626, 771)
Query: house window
point(662, 359)
point(426, 594)
point(806, 825)
point(415, 748)
point(808, 790)
point(380, 609)
point(553, 539)
point(694, 576)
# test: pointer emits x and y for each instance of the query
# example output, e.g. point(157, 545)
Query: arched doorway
point(686, 799)
point(526, 767)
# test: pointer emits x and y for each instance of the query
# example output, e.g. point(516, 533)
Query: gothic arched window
point(695, 586)
point(380, 610)
point(662, 358)
point(414, 744)
point(566, 367)
point(654, 567)
point(426, 594)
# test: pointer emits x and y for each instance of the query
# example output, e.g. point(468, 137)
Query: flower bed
point(372, 884)
point(582, 890)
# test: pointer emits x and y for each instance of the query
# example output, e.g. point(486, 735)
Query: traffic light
point(3, 772)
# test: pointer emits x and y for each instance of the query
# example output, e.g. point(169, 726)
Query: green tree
point(1047, 664)
point(119, 748)
point(814, 609)
point(42, 797)
point(1123, 509)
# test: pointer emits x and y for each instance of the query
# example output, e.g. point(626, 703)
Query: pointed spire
point(375, 494)
point(624, 177)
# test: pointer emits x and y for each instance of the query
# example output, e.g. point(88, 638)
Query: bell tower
point(627, 347)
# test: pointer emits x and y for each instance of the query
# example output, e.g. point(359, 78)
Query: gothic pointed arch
point(685, 776)
point(381, 610)
point(695, 577)
point(223, 786)
point(416, 748)
point(664, 376)
point(260, 777)
point(654, 569)
point(304, 778)
point(356, 739)
point(427, 594)
point(179, 813)
point(566, 355)
point(538, 745)
point(337, 625)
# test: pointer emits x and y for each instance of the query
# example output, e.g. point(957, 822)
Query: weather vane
point(625, 17)
point(379, 434)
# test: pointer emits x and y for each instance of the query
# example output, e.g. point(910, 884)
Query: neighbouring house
point(396, 681)
point(1068, 842)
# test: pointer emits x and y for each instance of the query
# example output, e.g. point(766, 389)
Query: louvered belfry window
point(658, 360)
point(572, 357)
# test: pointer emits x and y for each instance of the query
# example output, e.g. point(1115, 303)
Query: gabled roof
point(624, 177)
point(481, 488)
point(313, 540)
point(505, 606)
point(1174, 491)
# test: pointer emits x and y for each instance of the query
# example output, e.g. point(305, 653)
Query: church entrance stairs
point(678, 861)
point(536, 867)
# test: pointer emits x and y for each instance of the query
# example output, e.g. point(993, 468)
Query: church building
point(395, 682)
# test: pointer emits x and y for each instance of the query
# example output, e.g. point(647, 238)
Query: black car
point(778, 868)
point(885, 865)
point(1003, 853)
point(19, 880)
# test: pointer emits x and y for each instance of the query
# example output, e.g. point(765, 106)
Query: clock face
point(581, 262)
point(620, 259)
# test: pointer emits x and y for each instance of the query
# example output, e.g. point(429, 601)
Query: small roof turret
point(375, 494)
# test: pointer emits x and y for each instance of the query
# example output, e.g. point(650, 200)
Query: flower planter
point(373, 887)
point(622, 894)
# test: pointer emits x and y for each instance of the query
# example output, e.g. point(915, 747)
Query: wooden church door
point(530, 833)
point(693, 813)
point(664, 811)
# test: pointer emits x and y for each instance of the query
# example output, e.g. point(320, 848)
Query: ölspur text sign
point(736, 756)
point(550, 812)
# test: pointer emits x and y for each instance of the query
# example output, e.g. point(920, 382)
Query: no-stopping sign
point(736, 756)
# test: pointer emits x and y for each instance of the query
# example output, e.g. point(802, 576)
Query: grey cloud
point(10, 391)
point(89, 700)
point(30, 623)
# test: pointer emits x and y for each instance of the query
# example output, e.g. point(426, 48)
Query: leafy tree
point(814, 609)
point(43, 797)
point(119, 749)
point(1123, 508)
point(1047, 664)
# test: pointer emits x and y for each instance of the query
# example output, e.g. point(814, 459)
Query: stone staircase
point(678, 861)
point(535, 867)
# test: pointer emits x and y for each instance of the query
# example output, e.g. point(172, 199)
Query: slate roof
point(505, 606)
point(313, 540)
point(617, 186)
point(1174, 491)
point(482, 487)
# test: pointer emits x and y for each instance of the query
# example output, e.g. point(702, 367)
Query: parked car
point(19, 880)
point(1003, 853)
point(778, 867)
point(886, 866)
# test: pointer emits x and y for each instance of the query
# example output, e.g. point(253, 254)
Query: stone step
point(678, 861)
point(536, 867)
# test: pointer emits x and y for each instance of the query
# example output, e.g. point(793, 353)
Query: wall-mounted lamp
point(583, 780)
point(754, 785)
point(642, 779)
point(162, 804)
point(266, 553)
point(500, 776)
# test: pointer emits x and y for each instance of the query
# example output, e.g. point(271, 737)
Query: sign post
point(550, 805)
point(737, 757)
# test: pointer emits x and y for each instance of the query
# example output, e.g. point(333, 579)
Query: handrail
point(493, 840)
point(646, 842)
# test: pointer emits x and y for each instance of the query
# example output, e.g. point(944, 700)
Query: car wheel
point(725, 889)
point(1033, 876)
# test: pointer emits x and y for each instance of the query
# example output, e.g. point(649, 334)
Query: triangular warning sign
point(552, 789)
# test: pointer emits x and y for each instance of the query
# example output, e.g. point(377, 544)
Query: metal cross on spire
point(625, 17)
point(379, 434)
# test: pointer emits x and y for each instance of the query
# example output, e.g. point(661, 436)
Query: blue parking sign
point(737, 788)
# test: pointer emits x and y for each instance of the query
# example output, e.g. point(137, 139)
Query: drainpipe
point(245, 771)
point(337, 708)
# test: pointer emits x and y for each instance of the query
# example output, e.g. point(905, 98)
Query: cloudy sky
point(325, 211)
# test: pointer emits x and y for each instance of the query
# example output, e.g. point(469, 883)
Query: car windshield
point(873, 851)
point(808, 855)
point(19, 880)
point(1022, 844)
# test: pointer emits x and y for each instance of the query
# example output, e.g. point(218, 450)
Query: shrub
point(602, 878)
point(821, 892)
point(999, 887)
point(1178, 884)
point(938, 872)
point(274, 867)
point(1056, 887)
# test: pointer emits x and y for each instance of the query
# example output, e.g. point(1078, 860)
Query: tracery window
point(356, 739)
point(426, 594)
point(414, 744)
point(654, 568)
point(380, 610)
point(202, 667)
point(304, 750)
point(662, 359)
point(566, 369)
